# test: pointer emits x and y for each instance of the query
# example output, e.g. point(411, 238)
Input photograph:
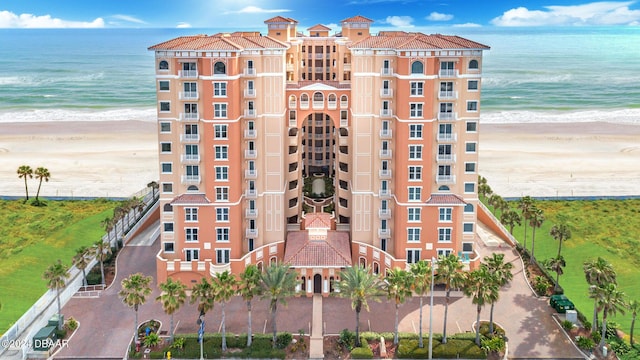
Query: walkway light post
point(433, 268)
point(200, 322)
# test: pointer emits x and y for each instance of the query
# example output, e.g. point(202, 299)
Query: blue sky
point(250, 14)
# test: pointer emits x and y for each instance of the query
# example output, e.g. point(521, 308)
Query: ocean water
point(529, 75)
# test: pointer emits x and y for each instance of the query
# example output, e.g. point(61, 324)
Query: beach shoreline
point(119, 158)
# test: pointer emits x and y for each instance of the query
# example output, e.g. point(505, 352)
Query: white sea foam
point(57, 115)
point(618, 116)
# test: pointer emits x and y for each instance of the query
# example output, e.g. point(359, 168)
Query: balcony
point(251, 233)
point(251, 213)
point(304, 104)
point(290, 67)
point(386, 113)
point(250, 72)
point(250, 113)
point(344, 104)
point(445, 158)
point(188, 74)
point(250, 134)
point(251, 174)
point(251, 193)
point(189, 116)
point(386, 71)
point(384, 193)
point(447, 116)
point(386, 92)
point(385, 154)
point(250, 92)
point(218, 268)
point(385, 174)
point(386, 134)
point(344, 123)
point(190, 158)
point(188, 95)
point(384, 233)
point(447, 137)
point(446, 179)
point(293, 104)
point(448, 73)
point(447, 95)
point(332, 105)
point(191, 179)
point(189, 137)
point(384, 213)
point(250, 154)
point(346, 66)
point(318, 105)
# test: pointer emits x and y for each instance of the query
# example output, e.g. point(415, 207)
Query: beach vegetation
point(279, 283)
point(41, 173)
point(173, 296)
point(25, 172)
point(56, 277)
point(451, 275)
point(134, 291)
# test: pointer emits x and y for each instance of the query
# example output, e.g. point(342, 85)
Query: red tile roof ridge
point(279, 18)
point(319, 27)
point(357, 18)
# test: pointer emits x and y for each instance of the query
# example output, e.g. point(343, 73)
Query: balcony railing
point(447, 137)
point(251, 154)
point(385, 174)
point(386, 134)
point(386, 92)
point(344, 104)
point(448, 95)
point(384, 193)
point(386, 112)
point(346, 66)
point(251, 213)
point(386, 71)
point(251, 233)
point(190, 158)
point(332, 105)
point(384, 233)
point(293, 104)
point(447, 116)
point(191, 179)
point(251, 174)
point(188, 95)
point(189, 137)
point(189, 116)
point(250, 134)
point(384, 213)
point(250, 92)
point(445, 158)
point(250, 113)
point(448, 73)
point(446, 179)
point(250, 71)
point(304, 105)
point(385, 154)
point(318, 105)
point(344, 122)
point(251, 193)
point(188, 73)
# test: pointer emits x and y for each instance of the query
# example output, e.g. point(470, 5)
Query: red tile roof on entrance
point(318, 221)
point(190, 199)
point(334, 251)
point(445, 199)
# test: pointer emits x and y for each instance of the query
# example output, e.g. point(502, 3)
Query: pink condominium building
point(318, 150)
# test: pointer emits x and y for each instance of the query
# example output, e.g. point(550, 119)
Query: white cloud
point(399, 21)
point(11, 20)
point(128, 18)
point(436, 16)
point(183, 25)
point(467, 25)
point(595, 13)
point(256, 10)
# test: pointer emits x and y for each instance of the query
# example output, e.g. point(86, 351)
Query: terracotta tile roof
point(317, 220)
point(334, 251)
point(445, 199)
point(319, 27)
point(301, 84)
point(190, 199)
point(401, 40)
point(236, 42)
point(357, 19)
point(280, 19)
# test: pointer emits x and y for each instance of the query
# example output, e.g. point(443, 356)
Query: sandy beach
point(119, 158)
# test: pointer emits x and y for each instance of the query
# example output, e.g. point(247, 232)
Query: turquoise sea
point(560, 74)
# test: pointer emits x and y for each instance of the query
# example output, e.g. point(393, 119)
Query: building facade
point(261, 134)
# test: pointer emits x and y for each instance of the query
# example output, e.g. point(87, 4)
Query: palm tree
point(482, 287)
point(224, 287)
point(118, 217)
point(450, 273)
point(510, 218)
point(560, 232)
point(498, 203)
point(612, 301)
point(502, 274)
point(172, 297)
point(137, 205)
point(278, 283)
point(536, 218)
point(202, 293)
point(154, 187)
point(633, 306)
point(557, 265)
point(397, 284)
point(134, 292)
point(25, 171)
point(107, 225)
point(484, 189)
point(41, 174)
point(81, 261)
point(359, 285)
point(56, 276)
point(421, 272)
point(598, 272)
point(101, 250)
point(249, 287)
point(525, 205)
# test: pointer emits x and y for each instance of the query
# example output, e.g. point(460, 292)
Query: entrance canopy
point(304, 251)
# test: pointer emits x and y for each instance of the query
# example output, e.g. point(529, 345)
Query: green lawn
point(32, 238)
point(605, 228)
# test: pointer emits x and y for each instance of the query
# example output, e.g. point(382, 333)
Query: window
point(219, 89)
point(468, 208)
point(220, 131)
point(163, 65)
point(470, 147)
point(444, 152)
point(190, 214)
point(445, 130)
point(444, 170)
point(191, 152)
point(219, 68)
point(445, 214)
point(444, 252)
point(415, 110)
point(165, 127)
point(472, 126)
point(415, 131)
point(165, 147)
point(473, 65)
point(166, 168)
point(472, 106)
point(383, 244)
point(415, 152)
point(472, 85)
point(417, 88)
point(222, 173)
point(192, 171)
point(222, 214)
point(222, 152)
point(167, 187)
point(444, 234)
point(446, 107)
point(192, 254)
point(413, 214)
point(168, 247)
point(250, 244)
point(165, 106)
point(222, 234)
point(469, 187)
point(413, 256)
point(467, 227)
point(222, 193)
point(222, 256)
point(414, 193)
point(417, 67)
point(413, 234)
point(447, 68)
point(219, 110)
point(470, 167)
point(168, 227)
point(163, 85)
point(415, 173)
point(191, 130)
point(191, 234)
point(191, 108)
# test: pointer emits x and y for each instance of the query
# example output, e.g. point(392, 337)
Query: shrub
point(94, 278)
point(584, 343)
point(347, 339)
point(455, 348)
point(612, 330)
point(619, 347)
point(408, 349)
point(541, 285)
point(494, 344)
point(283, 340)
point(151, 340)
point(61, 334)
point(567, 325)
point(484, 329)
point(362, 353)
point(178, 343)
point(595, 336)
point(586, 324)
point(72, 324)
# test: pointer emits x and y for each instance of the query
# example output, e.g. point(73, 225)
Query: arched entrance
point(317, 284)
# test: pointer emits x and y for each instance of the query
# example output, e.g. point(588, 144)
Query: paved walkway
point(316, 348)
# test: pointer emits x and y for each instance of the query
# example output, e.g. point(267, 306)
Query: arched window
point(292, 99)
point(468, 208)
point(332, 97)
point(219, 68)
point(376, 268)
point(304, 97)
point(363, 262)
point(304, 284)
point(273, 260)
point(443, 188)
point(192, 188)
point(168, 208)
point(259, 265)
point(318, 96)
point(473, 64)
point(417, 67)
point(163, 65)
point(344, 98)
